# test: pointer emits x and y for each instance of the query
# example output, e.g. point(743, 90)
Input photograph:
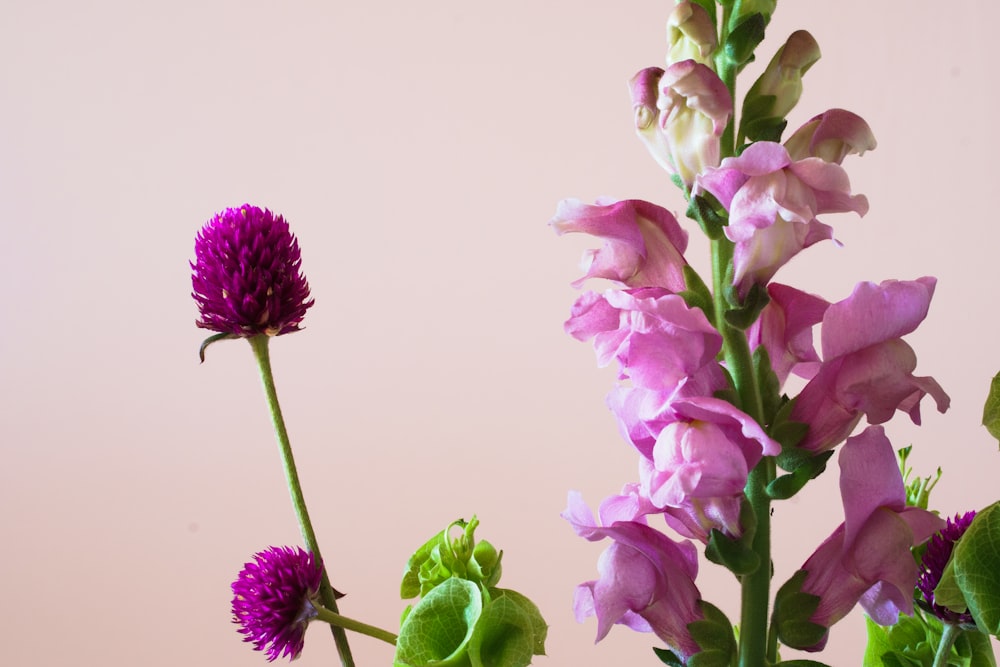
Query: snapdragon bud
point(831, 136)
point(777, 90)
point(690, 35)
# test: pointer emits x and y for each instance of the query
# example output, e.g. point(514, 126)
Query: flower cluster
point(274, 598)
point(246, 275)
point(701, 371)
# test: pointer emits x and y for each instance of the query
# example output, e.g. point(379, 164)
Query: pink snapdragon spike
point(831, 136)
point(656, 338)
point(646, 580)
point(785, 329)
point(700, 462)
point(643, 243)
point(773, 202)
point(690, 35)
point(867, 558)
point(692, 107)
point(867, 369)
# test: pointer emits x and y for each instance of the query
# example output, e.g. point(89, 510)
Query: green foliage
point(767, 383)
point(668, 657)
point(803, 471)
point(734, 555)
point(792, 611)
point(697, 294)
point(914, 640)
point(462, 619)
point(710, 215)
point(972, 579)
point(744, 39)
point(748, 310)
point(991, 410)
point(714, 636)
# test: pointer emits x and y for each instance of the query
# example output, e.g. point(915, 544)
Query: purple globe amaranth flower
point(680, 114)
point(643, 243)
point(246, 275)
point(867, 558)
point(646, 579)
point(867, 369)
point(831, 136)
point(275, 597)
point(934, 561)
point(773, 202)
point(657, 339)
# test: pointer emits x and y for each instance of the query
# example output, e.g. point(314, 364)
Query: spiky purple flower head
point(247, 276)
point(275, 597)
point(935, 559)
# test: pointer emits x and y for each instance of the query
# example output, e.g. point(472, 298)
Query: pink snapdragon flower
point(867, 369)
point(680, 114)
point(831, 136)
point(643, 243)
point(646, 580)
point(773, 202)
point(699, 465)
point(657, 339)
point(867, 558)
point(785, 329)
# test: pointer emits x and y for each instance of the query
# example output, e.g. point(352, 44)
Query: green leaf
point(438, 629)
point(697, 294)
point(410, 586)
point(710, 215)
point(792, 611)
point(503, 636)
point(767, 380)
point(746, 314)
point(765, 129)
point(668, 657)
point(786, 486)
point(732, 554)
point(742, 41)
point(974, 569)
point(991, 410)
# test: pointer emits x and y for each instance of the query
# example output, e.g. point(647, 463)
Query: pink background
point(418, 150)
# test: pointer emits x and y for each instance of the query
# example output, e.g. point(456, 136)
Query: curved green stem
point(260, 350)
point(948, 637)
point(338, 621)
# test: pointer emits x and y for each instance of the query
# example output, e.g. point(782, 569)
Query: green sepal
point(971, 579)
point(710, 215)
point(991, 410)
point(744, 39)
point(484, 566)
point(213, 339)
point(697, 294)
point(744, 9)
point(714, 636)
point(668, 657)
point(504, 635)
point(767, 382)
point(786, 486)
point(679, 182)
point(764, 129)
point(792, 611)
point(748, 311)
point(732, 554)
point(438, 629)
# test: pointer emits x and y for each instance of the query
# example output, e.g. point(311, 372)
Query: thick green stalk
point(260, 350)
point(753, 648)
point(948, 637)
point(336, 620)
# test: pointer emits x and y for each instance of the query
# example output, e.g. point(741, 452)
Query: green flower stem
point(756, 585)
point(338, 621)
point(260, 350)
point(948, 637)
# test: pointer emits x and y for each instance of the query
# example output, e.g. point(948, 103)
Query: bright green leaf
point(503, 637)
point(539, 627)
point(991, 411)
point(975, 566)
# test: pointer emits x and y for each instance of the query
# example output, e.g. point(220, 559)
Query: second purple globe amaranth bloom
point(934, 561)
point(275, 597)
point(247, 277)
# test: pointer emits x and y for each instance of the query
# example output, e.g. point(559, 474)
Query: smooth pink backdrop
point(418, 150)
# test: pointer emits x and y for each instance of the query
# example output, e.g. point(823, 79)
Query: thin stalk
point(948, 637)
point(336, 620)
point(260, 350)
